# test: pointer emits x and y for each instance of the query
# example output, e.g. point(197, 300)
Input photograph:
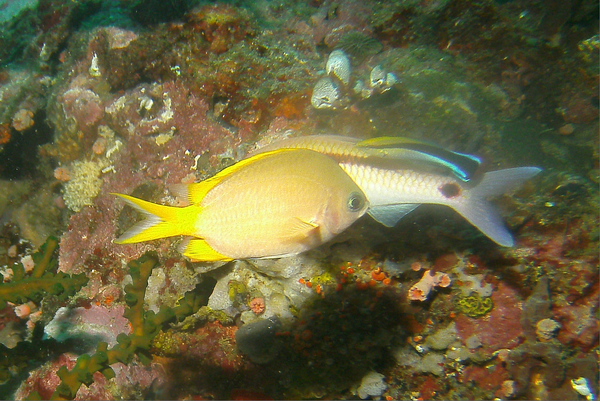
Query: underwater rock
point(358, 45)
point(88, 326)
point(338, 65)
point(258, 340)
point(83, 105)
point(441, 339)
point(325, 94)
point(546, 329)
point(372, 385)
point(536, 307)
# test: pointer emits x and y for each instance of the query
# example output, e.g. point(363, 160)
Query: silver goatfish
point(397, 175)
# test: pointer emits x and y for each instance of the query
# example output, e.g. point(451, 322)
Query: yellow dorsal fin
point(198, 250)
point(197, 191)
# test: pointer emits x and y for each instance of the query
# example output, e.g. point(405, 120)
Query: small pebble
point(62, 174)
point(22, 120)
point(12, 251)
point(99, 146)
point(546, 329)
point(566, 129)
point(508, 388)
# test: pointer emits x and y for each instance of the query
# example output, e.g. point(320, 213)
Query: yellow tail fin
point(161, 221)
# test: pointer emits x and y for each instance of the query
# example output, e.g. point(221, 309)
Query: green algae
point(41, 284)
point(237, 292)
point(43, 280)
point(474, 305)
point(146, 325)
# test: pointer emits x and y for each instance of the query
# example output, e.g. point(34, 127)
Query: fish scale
point(383, 186)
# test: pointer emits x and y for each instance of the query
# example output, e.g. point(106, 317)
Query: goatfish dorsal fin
point(194, 193)
point(462, 165)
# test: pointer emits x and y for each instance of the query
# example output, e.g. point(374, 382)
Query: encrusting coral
point(145, 326)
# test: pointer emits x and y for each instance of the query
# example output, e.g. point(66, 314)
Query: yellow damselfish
point(273, 204)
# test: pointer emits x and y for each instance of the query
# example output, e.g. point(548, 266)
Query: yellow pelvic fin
point(197, 191)
point(198, 250)
point(161, 221)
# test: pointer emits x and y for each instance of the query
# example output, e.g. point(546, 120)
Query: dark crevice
point(19, 158)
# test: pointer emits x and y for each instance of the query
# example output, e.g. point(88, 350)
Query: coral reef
point(135, 97)
point(145, 326)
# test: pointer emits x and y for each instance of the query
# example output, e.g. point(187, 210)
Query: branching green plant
point(145, 326)
point(43, 280)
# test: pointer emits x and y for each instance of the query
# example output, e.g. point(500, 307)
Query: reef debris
point(420, 290)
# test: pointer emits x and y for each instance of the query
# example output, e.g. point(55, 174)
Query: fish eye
point(355, 202)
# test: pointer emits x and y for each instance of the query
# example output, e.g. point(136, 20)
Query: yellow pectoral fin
point(299, 230)
point(198, 250)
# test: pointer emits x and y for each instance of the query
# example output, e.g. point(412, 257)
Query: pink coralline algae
point(169, 108)
point(103, 323)
point(128, 381)
point(84, 105)
point(501, 328)
point(580, 325)
point(78, 246)
point(421, 290)
point(166, 136)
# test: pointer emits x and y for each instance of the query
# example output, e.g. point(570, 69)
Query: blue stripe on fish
point(462, 165)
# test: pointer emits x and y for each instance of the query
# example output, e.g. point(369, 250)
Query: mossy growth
point(43, 280)
point(206, 314)
point(146, 325)
point(237, 291)
point(323, 279)
point(474, 305)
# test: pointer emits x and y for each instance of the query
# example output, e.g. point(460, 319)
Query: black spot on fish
point(450, 190)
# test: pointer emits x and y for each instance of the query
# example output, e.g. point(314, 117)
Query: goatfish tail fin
point(161, 221)
point(478, 211)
